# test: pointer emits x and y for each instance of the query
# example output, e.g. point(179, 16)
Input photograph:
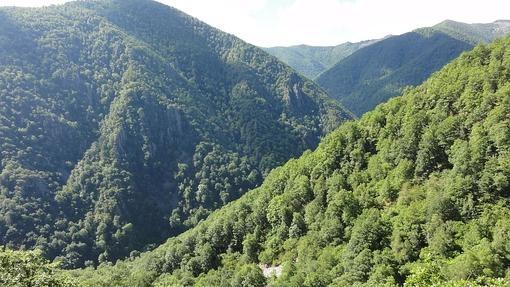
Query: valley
point(142, 147)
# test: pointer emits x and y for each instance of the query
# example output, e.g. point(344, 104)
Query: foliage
point(28, 268)
point(376, 73)
point(125, 122)
point(415, 193)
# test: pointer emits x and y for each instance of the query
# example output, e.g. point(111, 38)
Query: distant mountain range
point(313, 60)
point(370, 73)
point(474, 33)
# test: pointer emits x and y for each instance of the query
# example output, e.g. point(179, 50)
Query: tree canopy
point(378, 72)
point(125, 122)
point(415, 193)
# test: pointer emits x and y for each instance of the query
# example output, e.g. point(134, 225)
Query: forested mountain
point(415, 193)
point(313, 60)
point(125, 122)
point(474, 33)
point(380, 71)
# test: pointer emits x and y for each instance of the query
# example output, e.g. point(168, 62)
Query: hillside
point(313, 60)
point(474, 33)
point(125, 122)
point(380, 71)
point(415, 193)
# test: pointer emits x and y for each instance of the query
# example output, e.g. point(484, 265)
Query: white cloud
point(241, 18)
point(328, 22)
point(30, 3)
point(325, 22)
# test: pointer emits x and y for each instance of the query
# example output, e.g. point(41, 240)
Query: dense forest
point(141, 147)
point(125, 122)
point(415, 193)
point(373, 74)
point(29, 268)
point(474, 33)
point(311, 61)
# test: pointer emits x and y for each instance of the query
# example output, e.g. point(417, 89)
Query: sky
point(269, 23)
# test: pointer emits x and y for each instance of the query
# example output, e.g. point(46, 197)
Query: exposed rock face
point(271, 271)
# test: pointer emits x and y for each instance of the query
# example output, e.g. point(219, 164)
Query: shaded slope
point(378, 72)
point(129, 121)
point(415, 192)
point(374, 74)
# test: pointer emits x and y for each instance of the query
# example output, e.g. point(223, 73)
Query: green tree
point(29, 268)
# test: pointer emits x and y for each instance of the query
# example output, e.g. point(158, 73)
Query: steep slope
point(313, 60)
point(417, 192)
point(380, 71)
point(125, 122)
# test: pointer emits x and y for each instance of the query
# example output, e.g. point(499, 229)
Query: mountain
point(475, 33)
point(313, 60)
point(125, 122)
point(380, 71)
point(415, 193)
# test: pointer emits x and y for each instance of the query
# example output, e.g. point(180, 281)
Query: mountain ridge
point(118, 126)
point(311, 61)
point(376, 73)
point(415, 193)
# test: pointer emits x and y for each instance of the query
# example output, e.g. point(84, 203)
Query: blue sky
point(324, 22)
